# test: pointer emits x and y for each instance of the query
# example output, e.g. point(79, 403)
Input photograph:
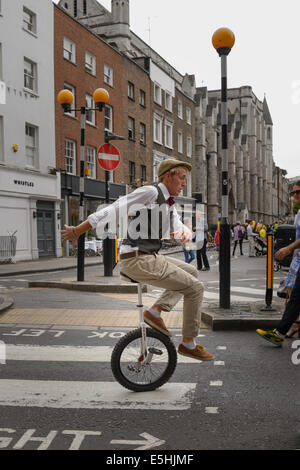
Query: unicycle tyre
point(126, 361)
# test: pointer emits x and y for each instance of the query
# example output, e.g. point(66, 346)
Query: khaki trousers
point(178, 278)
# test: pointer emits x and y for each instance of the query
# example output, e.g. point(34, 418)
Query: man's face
point(175, 183)
point(296, 193)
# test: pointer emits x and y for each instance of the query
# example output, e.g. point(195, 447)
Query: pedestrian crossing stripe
point(29, 352)
point(93, 395)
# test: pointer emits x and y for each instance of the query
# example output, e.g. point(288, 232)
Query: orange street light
point(65, 98)
point(101, 97)
point(223, 40)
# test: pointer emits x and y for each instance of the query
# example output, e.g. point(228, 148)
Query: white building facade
point(29, 184)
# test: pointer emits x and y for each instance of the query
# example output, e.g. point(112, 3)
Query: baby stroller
point(284, 236)
point(260, 246)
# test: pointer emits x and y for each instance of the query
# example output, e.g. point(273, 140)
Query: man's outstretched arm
point(284, 252)
point(73, 233)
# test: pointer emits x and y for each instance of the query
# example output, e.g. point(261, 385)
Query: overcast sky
point(266, 55)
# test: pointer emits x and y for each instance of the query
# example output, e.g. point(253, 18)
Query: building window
point(31, 145)
point(72, 90)
point(108, 118)
point(70, 50)
point(84, 8)
point(189, 185)
point(189, 146)
point(90, 114)
point(1, 140)
point(157, 93)
point(269, 133)
point(169, 134)
point(75, 8)
point(157, 128)
point(142, 133)
point(131, 172)
point(91, 161)
point(188, 115)
point(108, 75)
point(180, 142)
point(29, 20)
point(30, 75)
point(131, 90)
point(90, 63)
point(168, 101)
point(142, 98)
point(131, 128)
point(1, 72)
point(143, 173)
point(180, 110)
point(70, 156)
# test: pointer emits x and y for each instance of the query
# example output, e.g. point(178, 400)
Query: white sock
point(154, 312)
point(190, 345)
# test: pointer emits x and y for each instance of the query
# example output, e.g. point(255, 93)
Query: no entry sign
point(108, 157)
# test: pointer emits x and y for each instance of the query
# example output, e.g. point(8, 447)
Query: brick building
point(171, 135)
point(137, 149)
point(83, 63)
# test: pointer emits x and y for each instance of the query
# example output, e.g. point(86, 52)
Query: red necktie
point(170, 201)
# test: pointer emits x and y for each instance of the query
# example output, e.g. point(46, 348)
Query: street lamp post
point(223, 41)
point(66, 98)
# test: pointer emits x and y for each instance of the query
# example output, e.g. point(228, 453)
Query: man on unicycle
point(139, 255)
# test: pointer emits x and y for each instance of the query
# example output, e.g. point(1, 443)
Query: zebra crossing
point(65, 370)
point(239, 293)
point(48, 365)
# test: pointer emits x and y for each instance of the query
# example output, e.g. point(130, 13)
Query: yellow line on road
point(79, 317)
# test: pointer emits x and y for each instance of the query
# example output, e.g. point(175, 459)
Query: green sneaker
point(272, 337)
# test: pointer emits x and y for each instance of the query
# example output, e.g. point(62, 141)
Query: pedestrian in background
point(189, 254)
point(201, 253)
point(250, 239)
point(238, 234)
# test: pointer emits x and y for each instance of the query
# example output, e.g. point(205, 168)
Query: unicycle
point(144, 359)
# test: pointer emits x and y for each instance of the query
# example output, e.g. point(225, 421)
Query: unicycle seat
point(126, 278)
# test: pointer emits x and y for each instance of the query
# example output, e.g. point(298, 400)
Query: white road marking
point(93, 395)
point(216, 383)
point(211, 410)
point(222, 348)
point(219, 363)
point(29, 352)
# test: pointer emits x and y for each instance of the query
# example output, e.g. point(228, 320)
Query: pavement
point(242, 315)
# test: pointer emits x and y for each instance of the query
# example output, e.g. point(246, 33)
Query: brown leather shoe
point(156, 323)
point(198, 353)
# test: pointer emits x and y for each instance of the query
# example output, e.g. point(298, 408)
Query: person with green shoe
point(292, 309)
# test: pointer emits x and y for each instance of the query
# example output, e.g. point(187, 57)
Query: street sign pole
point(223, 41)
point(109, 159)
point(81, 240)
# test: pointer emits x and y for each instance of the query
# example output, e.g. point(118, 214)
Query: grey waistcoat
point(145, 242)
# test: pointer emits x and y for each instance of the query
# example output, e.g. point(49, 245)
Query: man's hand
point(68, 234)
point(282, 253)
point(184, 235)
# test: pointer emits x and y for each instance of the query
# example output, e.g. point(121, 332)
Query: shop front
point(30, 203)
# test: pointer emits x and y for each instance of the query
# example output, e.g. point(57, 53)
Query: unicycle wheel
point(128, 365)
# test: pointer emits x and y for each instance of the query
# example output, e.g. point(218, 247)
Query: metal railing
point(8, 245)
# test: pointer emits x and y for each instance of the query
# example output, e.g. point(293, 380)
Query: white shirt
point(249, 230)
point(145, 195)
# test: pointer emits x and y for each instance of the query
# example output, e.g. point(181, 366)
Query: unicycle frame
point(146, 356)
